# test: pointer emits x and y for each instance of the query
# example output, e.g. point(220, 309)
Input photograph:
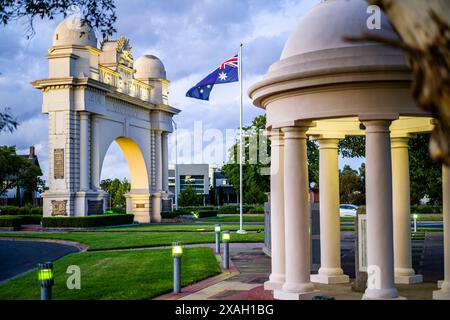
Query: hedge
point(426, 209)
point(200, 213)
point(101, 220)
point(22, 211)
point(31, 219)
point(10, 221)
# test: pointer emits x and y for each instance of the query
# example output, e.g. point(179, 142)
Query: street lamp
point(226, 249)
point(415, 216)
point(177, 253)
point(217, 231)
point(45, 277)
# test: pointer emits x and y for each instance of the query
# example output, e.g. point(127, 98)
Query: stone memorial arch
point(94, 97)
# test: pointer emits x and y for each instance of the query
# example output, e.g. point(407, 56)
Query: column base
point(382, 294)
point(329, 279)
point(441, 295)
point(272, 285)
point(283, 295)
point(417, 278)
point(276, 281)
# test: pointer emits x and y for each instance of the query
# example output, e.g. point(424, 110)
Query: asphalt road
point(17, 257)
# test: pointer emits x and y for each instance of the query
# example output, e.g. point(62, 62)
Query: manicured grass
point(124, 240)
point(428, 217)
point(235, 218)
point(180, 228)
point(140, 274)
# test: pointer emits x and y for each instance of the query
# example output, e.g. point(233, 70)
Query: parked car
point(347, 210)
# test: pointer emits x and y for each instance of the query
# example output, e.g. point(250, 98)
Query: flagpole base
point(241, 231)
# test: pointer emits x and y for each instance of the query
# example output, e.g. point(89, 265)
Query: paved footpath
point(251, 268)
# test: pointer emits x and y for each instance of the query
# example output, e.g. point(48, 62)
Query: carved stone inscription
point(58, 163)
point(59, 208)
point(95, 207)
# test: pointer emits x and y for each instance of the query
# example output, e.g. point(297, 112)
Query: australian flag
point(226, 73)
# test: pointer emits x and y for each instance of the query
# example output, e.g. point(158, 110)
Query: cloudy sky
point(191, 37)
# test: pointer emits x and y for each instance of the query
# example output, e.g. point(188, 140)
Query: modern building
point(193, 175)
point(208, 180)
point(223, 192)
point(328, 88)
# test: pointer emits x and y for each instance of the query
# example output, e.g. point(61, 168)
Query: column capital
point(294, 132)
point(328, 143)
point(157, 131)
point(377, 126)
point(84, 114)
point(399, 142)
point(276, 137)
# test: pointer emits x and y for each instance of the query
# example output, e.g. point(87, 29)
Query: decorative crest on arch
point(124, 53)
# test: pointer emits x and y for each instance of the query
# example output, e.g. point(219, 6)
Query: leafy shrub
point(198, 213)
point(257, 209)
point(23, 211)
point(31, 219)
point(101, 220)
point(169, 214)
point(10, 221)
point(426, 209)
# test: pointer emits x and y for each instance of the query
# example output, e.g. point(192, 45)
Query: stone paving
point(253, 268)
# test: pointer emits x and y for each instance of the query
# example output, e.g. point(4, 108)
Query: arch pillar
point(380, 248)
point(444, 292)
point(165, 161)
point(277, 276)
point(404, 273)
point(330, 236)
point(297, 284)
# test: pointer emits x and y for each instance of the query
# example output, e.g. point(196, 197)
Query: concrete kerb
point(80, 246)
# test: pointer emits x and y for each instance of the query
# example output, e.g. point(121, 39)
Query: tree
point(425, 175)
point(18, 172)
point(351, 186)
point(189, 197)
point(424, 31)
point(256, 178)
point(7, 121)
point(117, 190)
point(99, 14)
point(353, 147)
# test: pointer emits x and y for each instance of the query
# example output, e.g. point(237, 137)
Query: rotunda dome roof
point(72, 31)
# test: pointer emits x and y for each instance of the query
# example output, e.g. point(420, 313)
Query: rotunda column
point(404, 273)
point(297, 285)
point(277, 276)
point(444, 292)
point(85, 138)
point(330, 236)
point(380, 248)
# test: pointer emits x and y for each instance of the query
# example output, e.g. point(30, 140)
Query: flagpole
point(241, 111)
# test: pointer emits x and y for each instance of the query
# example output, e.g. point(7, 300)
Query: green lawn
point(180, 228)
point(124, 240)
point(140, 274)
point(428, 217)
point(247, 218)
